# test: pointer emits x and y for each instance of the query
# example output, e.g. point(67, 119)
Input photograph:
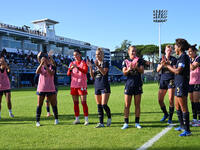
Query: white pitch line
point(155, 138)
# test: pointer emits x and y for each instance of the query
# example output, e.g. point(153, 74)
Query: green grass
point(21, 133)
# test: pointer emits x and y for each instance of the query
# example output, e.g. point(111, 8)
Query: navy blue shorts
point(181, 90)
point(4, 91)
point(167, 84)
point(194, 88)
point(133, 90)
point(102, 91)
point(45, 93)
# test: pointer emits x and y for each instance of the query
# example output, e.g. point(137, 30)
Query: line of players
point(178, 76)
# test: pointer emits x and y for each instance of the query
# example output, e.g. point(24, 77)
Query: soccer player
point(194, 89)
point(46, 88)
point(166, 83)
point(132, 68)
point(182, 76)
point(5, 85)
point(78, 71)
point(102, 86)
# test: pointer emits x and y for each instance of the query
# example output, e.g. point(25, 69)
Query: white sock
point(77, 118)
point(86, 118)
point(10, 111)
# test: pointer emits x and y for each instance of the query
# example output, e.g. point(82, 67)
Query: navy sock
point(100, 113)
point(194, 109)
point(126, 120)
point(107, 110)
point(164, 110)
point(48, 109)
point(198, 109)
point(186, 121)
point(55, 111)
point(180, 118)
point(137, 119)
point(38, 113)
point(171, 112)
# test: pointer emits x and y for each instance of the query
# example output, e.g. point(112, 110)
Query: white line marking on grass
point(155, 138)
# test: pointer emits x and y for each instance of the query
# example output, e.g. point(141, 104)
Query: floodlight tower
point(159, 16)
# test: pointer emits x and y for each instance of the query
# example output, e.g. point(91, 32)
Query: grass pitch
point(21, 133)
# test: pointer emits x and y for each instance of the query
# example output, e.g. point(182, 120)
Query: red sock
point(76, 108)
point(85, 108)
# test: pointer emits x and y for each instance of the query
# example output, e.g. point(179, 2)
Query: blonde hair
point(101, 51)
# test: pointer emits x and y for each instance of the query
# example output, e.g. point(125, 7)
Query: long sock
point(85, 108)
point(76, 108)
point(107, 110)
point(48, 109)
point(164, 110)
point(171, 112)
point(180, 117)
point(55, 111)
point(198, 109)
point(194, 109)
point(38, 113)
point(100, 113)
point(126, 120)
point(137, 119)
point(186, 121)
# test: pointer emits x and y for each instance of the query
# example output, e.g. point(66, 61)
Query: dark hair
point(77, 50)
point(193, 47)
point(183, 44)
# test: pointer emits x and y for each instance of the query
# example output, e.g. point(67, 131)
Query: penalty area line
point(156, 138)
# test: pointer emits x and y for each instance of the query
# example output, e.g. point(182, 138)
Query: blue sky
point(107, 23)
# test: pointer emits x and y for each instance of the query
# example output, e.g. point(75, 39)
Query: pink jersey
point(195, 75)
point(46, 81)
point(4, 81)
point(78, 78)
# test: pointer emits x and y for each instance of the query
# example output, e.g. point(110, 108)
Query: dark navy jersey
point(184, 76)
point(165, 73)
point(196, 59)
point(101, 81)
point(134, 77)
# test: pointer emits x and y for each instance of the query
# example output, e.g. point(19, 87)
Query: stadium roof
point(49, 21)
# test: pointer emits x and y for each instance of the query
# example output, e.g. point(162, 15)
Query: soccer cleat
point(37, 124)
point(169, 121)
point(164, 117)
point(48, 114)
point(108, 122)
point(11, 115)
point(196, 125)
point(100, 125)
point(194, 121)
point(185, 133)
point(76, 122)
point(137, 125)
point(125, 126)
point(86, 123)
point(179, 129)
point(56, 121)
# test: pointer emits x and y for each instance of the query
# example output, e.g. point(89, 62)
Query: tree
point(124, 46)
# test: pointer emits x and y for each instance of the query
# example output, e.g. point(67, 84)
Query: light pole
point(159, 16)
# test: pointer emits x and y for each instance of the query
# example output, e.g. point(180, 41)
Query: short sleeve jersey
point(134, 77)
point(165, 73)
point(101, 81)
point(184, 76)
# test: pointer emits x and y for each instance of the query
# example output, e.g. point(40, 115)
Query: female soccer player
point(5, 85)
point(167, 83)
point(182, 75)
point(102, 86)
point(194, 90)
point(132, 68)
point(78, 70)
point(46, 88)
